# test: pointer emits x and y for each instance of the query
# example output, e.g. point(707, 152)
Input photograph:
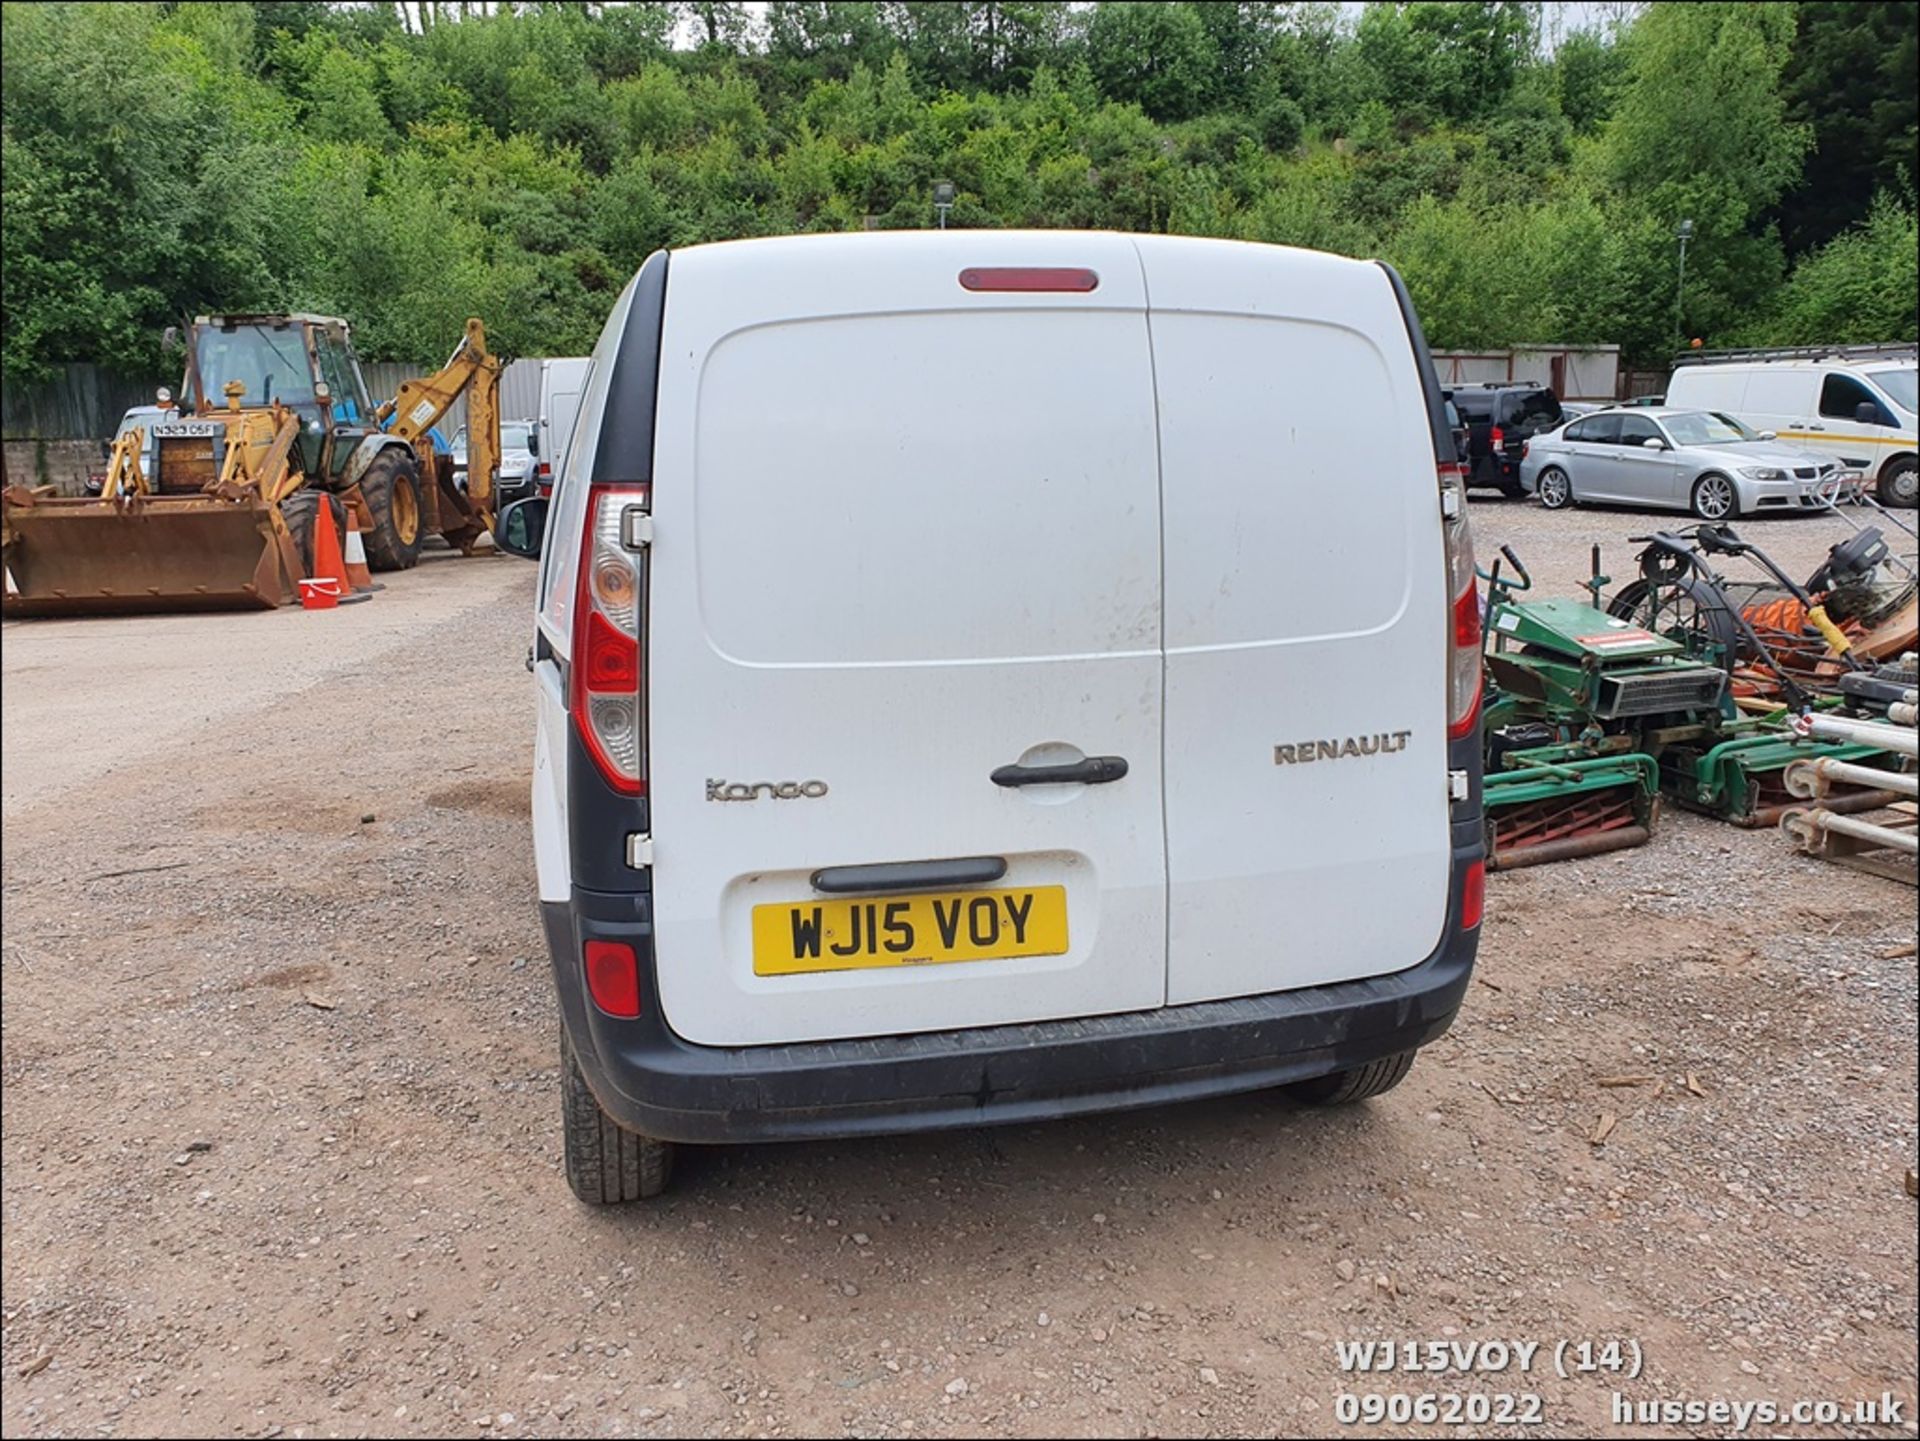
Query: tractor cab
point(251, 363)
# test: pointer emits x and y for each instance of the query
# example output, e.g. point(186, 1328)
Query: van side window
point(1841, 395)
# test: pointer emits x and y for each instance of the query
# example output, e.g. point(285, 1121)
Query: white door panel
point(1305, 603)
point(904, 534)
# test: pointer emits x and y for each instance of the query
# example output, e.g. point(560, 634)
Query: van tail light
point(613, 977)
point(1029, 278)
point(609, 675)
point(1499, 437)
point(1463, 620)
point(1473, 898)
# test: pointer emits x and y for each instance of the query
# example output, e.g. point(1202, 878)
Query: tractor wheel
point(1898, 485)
point(300, 510)
point(392, 488)
point(606, 1164)
point(1372, 1079)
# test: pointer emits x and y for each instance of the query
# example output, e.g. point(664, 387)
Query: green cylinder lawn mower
point(1591, 717)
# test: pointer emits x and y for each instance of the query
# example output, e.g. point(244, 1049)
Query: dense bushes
point(162, 160)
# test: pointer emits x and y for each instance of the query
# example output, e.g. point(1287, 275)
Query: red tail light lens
point(612, 661)
point(1463, 621)
point(1499, 437)
point(608, 698)
point(1028, 278)
point(1473, 896)
point(1466, 619)
point(1464, 697)
point(613, 977)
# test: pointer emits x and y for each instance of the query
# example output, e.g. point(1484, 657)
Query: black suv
point(1500, 418)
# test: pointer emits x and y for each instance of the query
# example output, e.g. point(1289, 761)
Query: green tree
point(1860, 287)
point(1158, 56)
point(1700, 132)
point(1850, 80)
point(1588, 70)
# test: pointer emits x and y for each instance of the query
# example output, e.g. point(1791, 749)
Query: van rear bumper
point(651, 1081)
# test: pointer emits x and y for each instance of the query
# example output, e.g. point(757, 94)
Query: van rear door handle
point(910, 875)
point(1093, 771)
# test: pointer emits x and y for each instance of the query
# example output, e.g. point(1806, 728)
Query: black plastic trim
point(1464, 753)
point(651, 1081)
point(625, 451)
point(909, 875)
point(1423, 362)
point(600, 818)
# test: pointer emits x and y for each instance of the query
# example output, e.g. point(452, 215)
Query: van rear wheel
point(1373, 1079)
point(606, 1163)
point(1898, 485)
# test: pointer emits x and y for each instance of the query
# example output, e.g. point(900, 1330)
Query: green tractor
point(1590, 718)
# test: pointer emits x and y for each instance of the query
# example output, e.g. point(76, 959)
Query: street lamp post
point(1682, 234)
point(942, 200)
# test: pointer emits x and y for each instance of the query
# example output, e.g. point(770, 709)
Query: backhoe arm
point(420, 404)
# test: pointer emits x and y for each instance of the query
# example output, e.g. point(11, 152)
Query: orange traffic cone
point(356, 558)
point(328, 563)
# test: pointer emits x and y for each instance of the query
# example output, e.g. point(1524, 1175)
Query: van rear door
point(906, 537)
point(1306, 622)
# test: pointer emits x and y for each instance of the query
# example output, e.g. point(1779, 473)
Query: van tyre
point(1898, 483)
point(606, 1164)
point(391, 486)
point(1373, 1079)
point(300, 511)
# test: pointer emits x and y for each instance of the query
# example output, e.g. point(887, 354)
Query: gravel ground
point(281, 1142)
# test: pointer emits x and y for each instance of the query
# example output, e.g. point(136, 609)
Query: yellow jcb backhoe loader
point(275, 421)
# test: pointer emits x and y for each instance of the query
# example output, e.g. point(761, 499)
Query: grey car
point(516, 459)
point(1697, 460)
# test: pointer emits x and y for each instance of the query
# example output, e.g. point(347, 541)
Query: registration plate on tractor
point(795, 937)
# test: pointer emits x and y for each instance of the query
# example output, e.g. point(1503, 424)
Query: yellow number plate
point(793, 937)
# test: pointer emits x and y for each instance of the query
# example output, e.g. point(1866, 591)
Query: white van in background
point(1855, 403)
point(561, 383)
point(955, 705)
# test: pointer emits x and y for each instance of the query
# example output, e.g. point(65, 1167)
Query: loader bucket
point(159, 553)
point(1559, 809)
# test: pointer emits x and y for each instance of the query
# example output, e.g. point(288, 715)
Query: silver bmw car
point(1698, 460)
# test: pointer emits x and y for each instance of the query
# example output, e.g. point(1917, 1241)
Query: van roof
point(1000, 247)
point(1801, 356)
